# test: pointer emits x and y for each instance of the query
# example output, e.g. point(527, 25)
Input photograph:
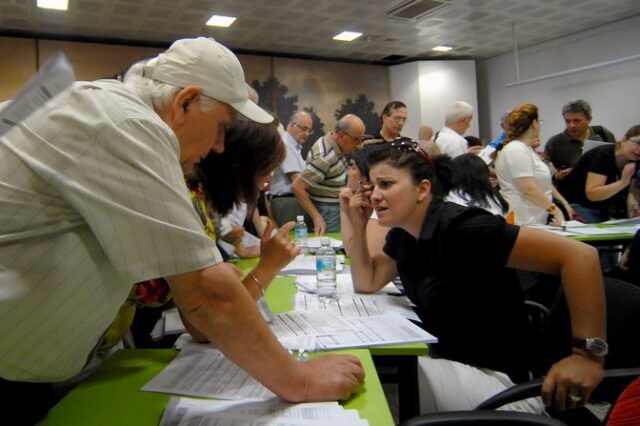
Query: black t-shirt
point(455, 275)
point(600, 160)
point(565, 151)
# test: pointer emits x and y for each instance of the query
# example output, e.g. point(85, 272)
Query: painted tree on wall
point(363, 108)
point(273, 96)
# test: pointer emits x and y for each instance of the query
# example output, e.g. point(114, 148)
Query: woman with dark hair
point(598, 185)
point(252, 152)
point(525, 180)
point(457, 265)
point(471, 185)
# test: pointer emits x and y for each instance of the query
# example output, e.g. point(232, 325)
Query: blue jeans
point(330, 212)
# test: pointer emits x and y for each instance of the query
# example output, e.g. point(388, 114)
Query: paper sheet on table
point(306, 265)
point(309, 284)
point(594, 231)
point(331, 331)
point(350, 306)
point(315, 242)
point(629, 221)
point(53, 77)
point(200, 370)
point(187, 412)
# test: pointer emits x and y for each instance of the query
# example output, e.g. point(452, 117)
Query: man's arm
point(299, 188)
point(214, 301)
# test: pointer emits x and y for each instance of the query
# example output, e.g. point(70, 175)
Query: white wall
point(612, 91)
point(429, 87)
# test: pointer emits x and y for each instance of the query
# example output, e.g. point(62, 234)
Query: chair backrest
point(623, 323)
point(488, 418)
point(614, 381)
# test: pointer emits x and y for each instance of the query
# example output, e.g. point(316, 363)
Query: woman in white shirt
point(525, 180)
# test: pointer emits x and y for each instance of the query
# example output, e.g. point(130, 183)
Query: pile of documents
point(189, 412)
point(202, 371)
point(306, 265)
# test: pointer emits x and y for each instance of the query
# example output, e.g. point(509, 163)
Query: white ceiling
point(303, 28)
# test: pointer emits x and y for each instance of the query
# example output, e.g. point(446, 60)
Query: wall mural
point(327, 90)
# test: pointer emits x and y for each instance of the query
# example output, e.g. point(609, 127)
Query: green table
point(112, 395)
point(607, 240)
point(397, 364)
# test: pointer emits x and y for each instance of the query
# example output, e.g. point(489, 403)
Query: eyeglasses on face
point(357, 139)
point(304, 128)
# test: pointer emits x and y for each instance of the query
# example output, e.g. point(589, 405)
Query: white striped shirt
point(92, 200)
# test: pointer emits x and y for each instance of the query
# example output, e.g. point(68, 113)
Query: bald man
point(425, 140)
point(317, 188)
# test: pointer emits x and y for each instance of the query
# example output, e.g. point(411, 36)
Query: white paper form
point(294, 329)
point(306, 265)
point(191, 412)
point(53, 77)
point(200, 370)
point(309, 284)
point(595, 231)
point(316, 242)
point(351, 306)
point(383, 330)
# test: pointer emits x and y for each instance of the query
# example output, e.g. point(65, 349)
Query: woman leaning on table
point(525, 180)
point(601, 185)
point(457, 265)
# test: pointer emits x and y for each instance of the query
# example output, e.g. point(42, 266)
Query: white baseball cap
point(205, 63)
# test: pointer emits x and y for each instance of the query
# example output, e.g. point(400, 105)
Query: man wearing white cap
point(93, 200)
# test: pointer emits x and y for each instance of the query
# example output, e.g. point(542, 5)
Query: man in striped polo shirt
point(318, 187)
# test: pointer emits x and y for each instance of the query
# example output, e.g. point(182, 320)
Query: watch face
point(597, 346)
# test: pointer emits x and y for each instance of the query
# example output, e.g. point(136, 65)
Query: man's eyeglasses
point(409, 145)
point(357, 139)
point(304, 128)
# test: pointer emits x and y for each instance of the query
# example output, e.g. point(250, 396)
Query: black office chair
point(479, 418)
point(612, 385)
point(623, 323)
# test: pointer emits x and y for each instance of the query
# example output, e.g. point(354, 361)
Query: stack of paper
point(325, 330)
point(306, 265)
point(188, 412)
point(201, 370)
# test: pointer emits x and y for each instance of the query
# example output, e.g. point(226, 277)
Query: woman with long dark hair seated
point(471, 186)
point(457, 265)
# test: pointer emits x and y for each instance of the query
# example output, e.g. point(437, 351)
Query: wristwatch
point(594, 345)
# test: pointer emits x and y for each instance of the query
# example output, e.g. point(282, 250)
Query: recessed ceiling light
point(53, 4)
point(442, 48)
point(220, 21)
point(347, 36)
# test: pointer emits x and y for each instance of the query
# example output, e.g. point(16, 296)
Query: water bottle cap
point(300, 218)
point(325, 241)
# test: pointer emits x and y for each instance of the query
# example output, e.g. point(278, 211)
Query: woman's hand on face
point(628, 172)
point(356, 205)
point(570, 381)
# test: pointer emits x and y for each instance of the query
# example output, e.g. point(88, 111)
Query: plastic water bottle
point(326, 271)
point(301, 233)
